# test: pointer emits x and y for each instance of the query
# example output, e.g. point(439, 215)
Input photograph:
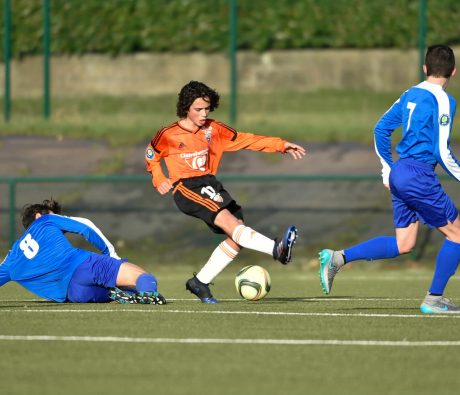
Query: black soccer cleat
point(120, 296)
point(282, 251)
point(200, 289)
point(149, 298)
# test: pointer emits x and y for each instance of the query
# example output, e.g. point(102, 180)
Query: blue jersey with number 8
point(43, 260)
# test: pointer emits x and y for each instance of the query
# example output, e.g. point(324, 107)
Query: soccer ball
point(253, 282)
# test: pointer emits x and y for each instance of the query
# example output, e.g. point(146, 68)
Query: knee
point(238, 223)
point(406, 244)
point(227, 221)
point(454, 238)
point(405, 247)
point(454, 235)
point(128, 274)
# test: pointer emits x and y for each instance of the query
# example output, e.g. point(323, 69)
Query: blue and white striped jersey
point(425, 113)
point(43, 260)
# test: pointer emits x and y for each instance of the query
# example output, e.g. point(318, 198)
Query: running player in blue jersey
point(425, 113)
point(44, 262)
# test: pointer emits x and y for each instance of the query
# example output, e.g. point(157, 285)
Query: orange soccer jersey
point(196, 153)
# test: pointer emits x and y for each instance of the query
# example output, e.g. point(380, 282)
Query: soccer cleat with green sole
point(149, 298)
point(120, 296)
point(330, 263)
point(438, 305)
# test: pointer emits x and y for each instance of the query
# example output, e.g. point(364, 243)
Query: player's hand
point(296, 151)
point(164, 187)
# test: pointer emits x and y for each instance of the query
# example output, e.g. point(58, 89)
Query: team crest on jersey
point(208, 134)
point(444, 120)
point(149, 154)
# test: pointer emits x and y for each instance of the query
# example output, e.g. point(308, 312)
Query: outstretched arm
point(257, 142)
point(87, 229)
point(296, 151)
point(98, 239)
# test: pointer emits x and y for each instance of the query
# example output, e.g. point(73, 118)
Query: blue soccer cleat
point(282, 251)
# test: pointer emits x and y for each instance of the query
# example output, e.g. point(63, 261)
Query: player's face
point(199, 111)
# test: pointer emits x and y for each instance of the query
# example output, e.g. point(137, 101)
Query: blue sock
point(146, 282)
point(446, 265)
point(379, 248)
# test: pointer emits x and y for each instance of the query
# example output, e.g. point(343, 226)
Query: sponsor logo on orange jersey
point(196, 160)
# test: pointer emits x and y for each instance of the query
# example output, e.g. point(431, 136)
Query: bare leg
point(128, 275)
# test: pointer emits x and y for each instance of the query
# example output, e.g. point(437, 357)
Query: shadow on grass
point(290, 299)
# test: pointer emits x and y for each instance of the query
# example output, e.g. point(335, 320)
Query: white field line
point(162, 309)
point(394, 277)
point(347, 274)
point(297, 299)
point(305, 299)
point(284, 342)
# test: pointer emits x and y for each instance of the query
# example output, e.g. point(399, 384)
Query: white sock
point(249, 238)
point(218, 261)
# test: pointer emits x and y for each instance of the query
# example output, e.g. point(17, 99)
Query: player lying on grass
point(425, 112)
point(192, 149)
point(44, 262)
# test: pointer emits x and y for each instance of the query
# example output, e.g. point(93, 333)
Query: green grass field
point(368, 337)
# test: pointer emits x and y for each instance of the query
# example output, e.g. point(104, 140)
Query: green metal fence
point(13, 182)
point(8, 28)
point(335, 208)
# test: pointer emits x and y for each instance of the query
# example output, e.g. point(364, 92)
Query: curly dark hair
point(439, 61)
point(192, 91)
point(29, 210)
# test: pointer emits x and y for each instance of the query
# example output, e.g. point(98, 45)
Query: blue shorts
point(417, 194)
point(91, 280)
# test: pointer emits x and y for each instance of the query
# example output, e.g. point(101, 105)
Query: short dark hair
point(439, 61)
point(192, 91)
point(29, 210)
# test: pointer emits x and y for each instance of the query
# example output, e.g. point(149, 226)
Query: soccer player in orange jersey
point(192, 149)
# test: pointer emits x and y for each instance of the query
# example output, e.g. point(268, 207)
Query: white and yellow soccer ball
point(253, 282)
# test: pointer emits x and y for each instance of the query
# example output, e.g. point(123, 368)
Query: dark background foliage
point(129, 26)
